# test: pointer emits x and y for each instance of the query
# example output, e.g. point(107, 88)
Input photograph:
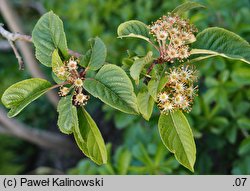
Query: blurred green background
point(220, 118)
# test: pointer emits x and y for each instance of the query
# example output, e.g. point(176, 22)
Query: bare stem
point(14, 36)
point(19, 58)
point(12, 20)
point(58, 85)
point(152, 66)
point(82, 74)
point(11, 37)
point(45, 139)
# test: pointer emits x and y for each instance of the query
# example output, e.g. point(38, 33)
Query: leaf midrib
point(25, 102)
point(172, 119)
point(120, 98)
point(97, 140)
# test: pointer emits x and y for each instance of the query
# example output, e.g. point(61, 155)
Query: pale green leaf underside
point(48, 35)
point(177, 136)
point(67, 118)
point(89, 138)
point(138, 65)
point(145, 103)
point(98, 54)
point(112, 85)
point(56, 64)
point(19, 95)
point(216, 41)
point(133, 28)
point(186, 7)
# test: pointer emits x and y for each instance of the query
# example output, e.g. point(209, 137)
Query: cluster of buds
point(179, 91)
point(173, 36)
point(74, 79)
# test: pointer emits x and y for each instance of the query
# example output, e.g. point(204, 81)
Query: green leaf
point(138, 66)
point(244, 123)
point(112, 85)
point(156, 85)
point(56, 79)
point(67, 118)
point(241, 76)
point(216, 41)
point(84, 59)
point(19, 95)
point(123, 159)
point(56, 64)
point(145, 103)
point(244, 147)
point(48, 35)
point(177, 136)
point(186, 7)
point(135, 29)
point(139, 152)
point(98, 54)
point(89, 138)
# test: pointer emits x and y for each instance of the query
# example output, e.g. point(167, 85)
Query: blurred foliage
point(221, 114)
point(12, 159)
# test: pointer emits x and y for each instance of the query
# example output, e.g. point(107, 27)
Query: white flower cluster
point(74, 78)
point(179, 91)
point(173, 35)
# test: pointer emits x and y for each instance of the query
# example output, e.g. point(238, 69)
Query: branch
point(5, 45)
point(36, 136)
point(13, 36)
point(4, 130)
point(17, 36)
point(14, 24)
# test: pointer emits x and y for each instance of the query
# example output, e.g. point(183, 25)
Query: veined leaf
point(48, 35)
point(138, 66)
point(177, 136)
point(67, 118)
point(19, 95)
point(133, 28)
point(186, 7)
point(89, 138)
point(145, 103)
point(221, 42)
point(56, 64)
point(56, 79)
point(112, 85)
point(84, 59)
point(98, 54)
